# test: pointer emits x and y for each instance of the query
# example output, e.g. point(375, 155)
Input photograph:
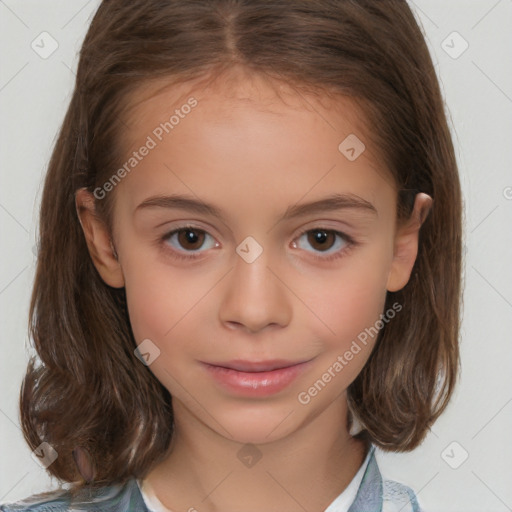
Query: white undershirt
point(340, 504)
point(346, 498)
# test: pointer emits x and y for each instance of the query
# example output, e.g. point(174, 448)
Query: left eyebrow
point(329, 203)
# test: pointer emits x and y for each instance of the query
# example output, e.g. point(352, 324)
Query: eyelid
point(328, 225)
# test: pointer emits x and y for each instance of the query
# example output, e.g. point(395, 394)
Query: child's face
point(254, 159)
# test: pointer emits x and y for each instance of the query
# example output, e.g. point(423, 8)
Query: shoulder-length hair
point(89, 389)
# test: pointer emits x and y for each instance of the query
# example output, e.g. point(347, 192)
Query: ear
point(98, 240)
point(406, 244)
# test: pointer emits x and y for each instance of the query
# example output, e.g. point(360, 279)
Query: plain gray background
point(35, 89)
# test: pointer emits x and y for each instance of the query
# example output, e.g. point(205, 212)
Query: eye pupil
point(320, 236)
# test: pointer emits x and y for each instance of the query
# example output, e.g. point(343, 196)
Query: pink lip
point(256, 378)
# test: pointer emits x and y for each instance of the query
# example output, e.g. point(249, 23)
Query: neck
point(307, 469)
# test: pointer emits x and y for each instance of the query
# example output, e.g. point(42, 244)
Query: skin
point(253, 154)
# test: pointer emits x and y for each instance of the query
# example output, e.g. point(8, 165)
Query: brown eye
point(324, 244)
point(188, 242)
point(191, 239)
point(321, 239)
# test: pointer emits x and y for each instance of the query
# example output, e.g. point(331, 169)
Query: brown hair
point(90, 390)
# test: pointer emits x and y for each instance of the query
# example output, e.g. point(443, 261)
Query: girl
point(249, 267)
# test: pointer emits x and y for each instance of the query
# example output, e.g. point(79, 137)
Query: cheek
point(166, 304)
point(154, 298)
point(349, 300)
point(159, 299)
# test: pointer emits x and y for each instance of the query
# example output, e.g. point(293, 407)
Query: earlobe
point(406, 244)
point(99, 242)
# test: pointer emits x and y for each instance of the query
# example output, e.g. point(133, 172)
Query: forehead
point(237, 88)
point(251, 134)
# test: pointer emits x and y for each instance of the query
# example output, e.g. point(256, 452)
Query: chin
point(257, 425)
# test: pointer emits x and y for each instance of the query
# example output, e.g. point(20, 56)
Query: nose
point(253, 298)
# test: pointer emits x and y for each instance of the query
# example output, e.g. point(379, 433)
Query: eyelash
point(350, 243)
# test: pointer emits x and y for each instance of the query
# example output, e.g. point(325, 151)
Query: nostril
point(234, 325)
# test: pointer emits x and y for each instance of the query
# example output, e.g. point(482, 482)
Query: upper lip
point(257, 366)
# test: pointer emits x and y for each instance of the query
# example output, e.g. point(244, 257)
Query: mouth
point(256, 378)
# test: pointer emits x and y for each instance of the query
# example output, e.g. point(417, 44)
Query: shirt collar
point(369, 495)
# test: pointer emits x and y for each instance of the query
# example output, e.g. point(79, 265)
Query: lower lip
point(256, 384)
